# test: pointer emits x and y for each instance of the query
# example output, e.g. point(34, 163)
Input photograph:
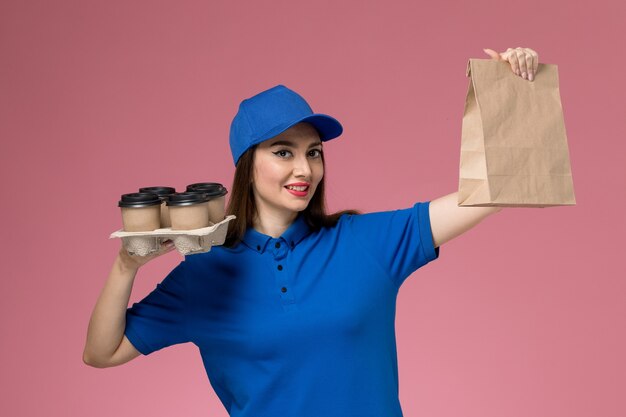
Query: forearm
point(108, 319)
point(448, 220)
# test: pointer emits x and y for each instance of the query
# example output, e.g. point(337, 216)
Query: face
point(292, 158)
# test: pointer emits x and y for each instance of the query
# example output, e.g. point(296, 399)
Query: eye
point(316, 153)
point(281, 153)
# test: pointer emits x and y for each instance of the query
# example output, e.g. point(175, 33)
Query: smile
point(298, 187)
point(298, 191)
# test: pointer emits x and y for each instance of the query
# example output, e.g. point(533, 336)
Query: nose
point(302, 168)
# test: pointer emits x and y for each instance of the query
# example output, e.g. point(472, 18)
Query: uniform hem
point(136, 341)
point(428, 246)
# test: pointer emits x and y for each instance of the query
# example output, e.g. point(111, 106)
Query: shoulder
point(375, 217)
point(388, 223)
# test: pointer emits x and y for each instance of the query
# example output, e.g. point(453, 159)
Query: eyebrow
point(291, 144)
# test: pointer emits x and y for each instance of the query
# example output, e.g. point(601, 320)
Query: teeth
point(298, 188)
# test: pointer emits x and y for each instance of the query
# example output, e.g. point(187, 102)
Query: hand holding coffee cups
point(134, 262)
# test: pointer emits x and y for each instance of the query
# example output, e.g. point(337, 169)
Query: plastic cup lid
point(186, 198)
point(137, 200)
point(160, 191)
point(212, 189)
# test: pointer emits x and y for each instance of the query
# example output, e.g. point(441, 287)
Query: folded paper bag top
point(514, 150)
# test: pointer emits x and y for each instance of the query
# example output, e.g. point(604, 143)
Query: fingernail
point(517, 72)
point(531, 76)
point(524, 75)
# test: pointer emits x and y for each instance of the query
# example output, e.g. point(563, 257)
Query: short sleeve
point(400, 240)
point(159, 320)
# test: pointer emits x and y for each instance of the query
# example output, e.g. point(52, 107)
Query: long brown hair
point(242, 204)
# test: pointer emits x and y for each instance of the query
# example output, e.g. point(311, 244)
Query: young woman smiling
point(294, 314)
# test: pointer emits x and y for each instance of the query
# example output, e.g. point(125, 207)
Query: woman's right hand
point(134, 262)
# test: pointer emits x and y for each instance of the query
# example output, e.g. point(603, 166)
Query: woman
point(294, 314)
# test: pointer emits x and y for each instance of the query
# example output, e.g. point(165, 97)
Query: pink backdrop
point(522, 316)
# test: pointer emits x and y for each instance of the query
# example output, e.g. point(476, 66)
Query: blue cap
point(270, 113)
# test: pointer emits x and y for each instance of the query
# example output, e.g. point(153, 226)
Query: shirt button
point(258, 247)
point(283, 289)
point(280, 267)
point(277, 245)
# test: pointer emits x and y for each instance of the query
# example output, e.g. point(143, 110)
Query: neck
point(272, 223)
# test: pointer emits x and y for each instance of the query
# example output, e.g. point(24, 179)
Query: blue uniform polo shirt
point(296, 326)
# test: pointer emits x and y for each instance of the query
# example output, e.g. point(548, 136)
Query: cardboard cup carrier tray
point(187, 242)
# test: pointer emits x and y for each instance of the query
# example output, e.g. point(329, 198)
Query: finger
point(493, 54)
point(513, 61)
point(535, 61)
point(532, 51)
point(506, 56)
point(164, 247)
point(529, 65)
point(521, 59)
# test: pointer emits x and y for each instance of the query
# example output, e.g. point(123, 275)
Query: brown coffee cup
point(188, 211)
point(163, 193)
point(141, 212)
point(216, 193)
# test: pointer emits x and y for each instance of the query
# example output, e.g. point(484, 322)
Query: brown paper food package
point(514, 150)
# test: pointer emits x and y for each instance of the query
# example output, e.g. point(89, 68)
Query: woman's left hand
point(524, 61)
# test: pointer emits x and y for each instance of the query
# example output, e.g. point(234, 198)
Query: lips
point(302, 192)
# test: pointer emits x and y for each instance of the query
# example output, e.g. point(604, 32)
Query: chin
point(300, 206)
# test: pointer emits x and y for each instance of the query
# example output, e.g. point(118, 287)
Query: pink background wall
point(522, 316)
